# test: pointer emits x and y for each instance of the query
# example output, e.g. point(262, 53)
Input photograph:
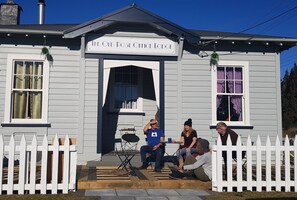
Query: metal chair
point(128, 149)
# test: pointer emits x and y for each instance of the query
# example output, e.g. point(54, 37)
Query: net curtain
point(27, 94)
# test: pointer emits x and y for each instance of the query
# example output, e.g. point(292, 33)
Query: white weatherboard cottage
point(122, 69)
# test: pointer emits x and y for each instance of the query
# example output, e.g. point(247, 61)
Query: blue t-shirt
point(153, 136)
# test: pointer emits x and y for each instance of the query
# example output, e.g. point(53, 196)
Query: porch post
point(162, 96)
point(100, 105)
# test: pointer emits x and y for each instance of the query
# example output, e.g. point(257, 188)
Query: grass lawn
point(253, 195)
point(47, 197)
point(213, 196)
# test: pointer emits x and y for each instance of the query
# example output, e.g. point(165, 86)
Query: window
point(26, 91)
point(231, 93)
point(126, 93)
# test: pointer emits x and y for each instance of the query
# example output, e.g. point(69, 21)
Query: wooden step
point(143, 184)
point(111, 177)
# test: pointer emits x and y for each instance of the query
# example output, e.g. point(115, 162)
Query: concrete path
point(146, 194)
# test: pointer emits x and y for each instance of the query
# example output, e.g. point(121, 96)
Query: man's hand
point(188, 149)
point(156, 147)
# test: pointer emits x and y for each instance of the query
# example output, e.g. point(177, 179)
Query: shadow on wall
point(111, 119)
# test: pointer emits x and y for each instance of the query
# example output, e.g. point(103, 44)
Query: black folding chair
point(128, 150)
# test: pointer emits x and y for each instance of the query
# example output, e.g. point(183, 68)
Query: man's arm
point(146, 128)
point(198, 163)
point(160, 144)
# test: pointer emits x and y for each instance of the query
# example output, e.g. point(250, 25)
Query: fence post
point(268, 164)
point(259, 164)
point(249, 161)
point(239, 164)
point(229, 164)
point(73, 163)
point(66, 165)
point(11, 153)
point(277, 165)
point(22, 165)
point(44, 165)
point(214, 168)
point(55, 165)
point(33, 165)
point(287, 164)
point(220, 164)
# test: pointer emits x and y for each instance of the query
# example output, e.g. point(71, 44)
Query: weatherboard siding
point(90, 112)
point(195, 91)
point(63, 112)
point(63, 104)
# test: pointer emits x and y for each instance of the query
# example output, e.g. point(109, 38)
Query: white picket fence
point(37, 176)
point(266, 167)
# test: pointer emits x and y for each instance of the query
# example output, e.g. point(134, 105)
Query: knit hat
point(188, 122)
point(205, 144)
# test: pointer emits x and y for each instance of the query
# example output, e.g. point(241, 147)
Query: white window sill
point(7, 124)
point(127, 112)
point(234, 126)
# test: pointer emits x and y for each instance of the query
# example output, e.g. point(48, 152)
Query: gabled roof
point(138, 16)
point(132, 14)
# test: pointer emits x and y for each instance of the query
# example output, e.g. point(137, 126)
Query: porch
point(105, 174)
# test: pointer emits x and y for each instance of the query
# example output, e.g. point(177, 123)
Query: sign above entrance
point(131, 45)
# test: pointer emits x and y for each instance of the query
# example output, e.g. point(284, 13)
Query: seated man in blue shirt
point(155, 141)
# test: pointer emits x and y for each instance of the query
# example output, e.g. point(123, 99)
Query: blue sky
point(215, 15)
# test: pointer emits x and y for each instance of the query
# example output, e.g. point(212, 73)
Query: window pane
point(19, 77)
point(238, 73)
point(238, 87)
point(19, 101)
point(125, 88)
point(27, 105)
point(38, 72)
point(230, 86)
point(229, 73)
point(229, 108)
point(221, 73)
point(119, 96)
point(35, 105)
point(126, 75)
point(221, 86)
point(222, 108)
point(236, 108)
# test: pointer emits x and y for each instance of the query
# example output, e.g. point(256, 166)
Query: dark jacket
point(232, 134)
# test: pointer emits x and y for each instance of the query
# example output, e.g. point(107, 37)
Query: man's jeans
point(158, 153)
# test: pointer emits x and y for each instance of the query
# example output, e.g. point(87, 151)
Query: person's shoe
point(157, 170)
point(176, 175)
point(143, 166)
